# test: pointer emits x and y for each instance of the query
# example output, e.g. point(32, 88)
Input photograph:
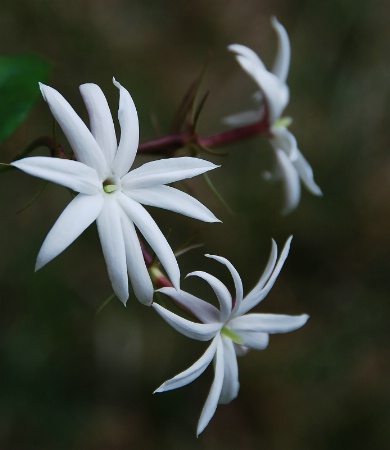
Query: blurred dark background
point(72, 380)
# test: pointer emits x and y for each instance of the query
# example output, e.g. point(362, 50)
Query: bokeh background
point(74, 380)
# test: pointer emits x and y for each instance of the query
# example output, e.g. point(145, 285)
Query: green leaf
point(19, 76)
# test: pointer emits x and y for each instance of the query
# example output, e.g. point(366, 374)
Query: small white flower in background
point(232, 331)
point(273, 98)
point(110, 194)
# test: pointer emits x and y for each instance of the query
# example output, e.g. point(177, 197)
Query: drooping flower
point(232, 332)
point(110, 194)
point(273, 97)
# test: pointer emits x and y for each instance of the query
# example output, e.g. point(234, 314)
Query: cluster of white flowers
point(108, 191)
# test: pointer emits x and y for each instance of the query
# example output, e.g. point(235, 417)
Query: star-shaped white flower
point(274, 97)
point(110, 194)
point(231, 331)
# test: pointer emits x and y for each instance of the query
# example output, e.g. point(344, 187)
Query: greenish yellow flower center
point(110, 186)
point(283, 122)
point(232, 335)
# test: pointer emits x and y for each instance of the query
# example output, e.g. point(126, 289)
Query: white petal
point(255, 340)
point(80, 138)
point(290, 180)
point(128, 145)
point(212, 400)
point(243, 118)
point(246, 52)
point(198, 331)
point(306, 173)
point(100, 120)
point(136, 267)
point(147, 226)
point(257, 294)
point(221, 291)
point(75, 218)
point(282, 60)
point(113, 246)
point(236, 279)
point(230, 385)
point(164, 171)
point(172, 199)
point(275, 92)
point(204, 311)
point(282, 139)
point(193, 372)
point(268, 323)
point(72, 174)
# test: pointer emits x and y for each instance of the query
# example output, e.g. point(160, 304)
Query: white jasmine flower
point(110, 194)
point(232, 332)
point(274, 97)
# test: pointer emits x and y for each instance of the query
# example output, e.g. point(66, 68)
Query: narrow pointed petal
point(197, 331)
point(221, 291)
point(236, 278)
point(128, 145)
point(100, 119)
point(282, 139)
point(306, 173)
point(75, 218)
point(212, 400)
point(243, 118)
point(204, 311)
point(193, 372)
point(268, 323)
point(256, 291)
point(290, 180)
point(282, 60)
point(113, 246)
point(136, 267)
point(172, 199)
point(165, 171)
point(147, 226)
point(79, 137)
point(246, 52)
point(255, 340)
point(230, 385)
point(256, 295)
point(275, 92)
point(72, 174)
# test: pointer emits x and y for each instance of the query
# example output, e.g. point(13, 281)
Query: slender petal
point(197, 331)
point(164, 171)
point(306, 173)
point(75, 218)
point(80, 138)
point(266, 274)
point(204, 311)
point(255, 340)
point(172, 199)
point(284, 140)
point(236, 278)
point(147, 226)
point(282, 60)
point(248, 53)
point(100, 120)
point(212, 400)
point(257, 295)
point(268, 323)
point(221, 291)
point(193, 372)
point(291, 183)
point(230, 385)
point(113, 246)
point(136, 267)
point(243, 118)
point(128, 145)
point(72, 174)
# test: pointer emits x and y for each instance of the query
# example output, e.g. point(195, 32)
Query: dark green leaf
point(19, 76)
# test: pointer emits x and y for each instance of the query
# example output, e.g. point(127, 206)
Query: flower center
point(111, 185)
point(232, 335)
point(283, 122)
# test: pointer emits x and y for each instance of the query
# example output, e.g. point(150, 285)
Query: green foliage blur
point(74, 380)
